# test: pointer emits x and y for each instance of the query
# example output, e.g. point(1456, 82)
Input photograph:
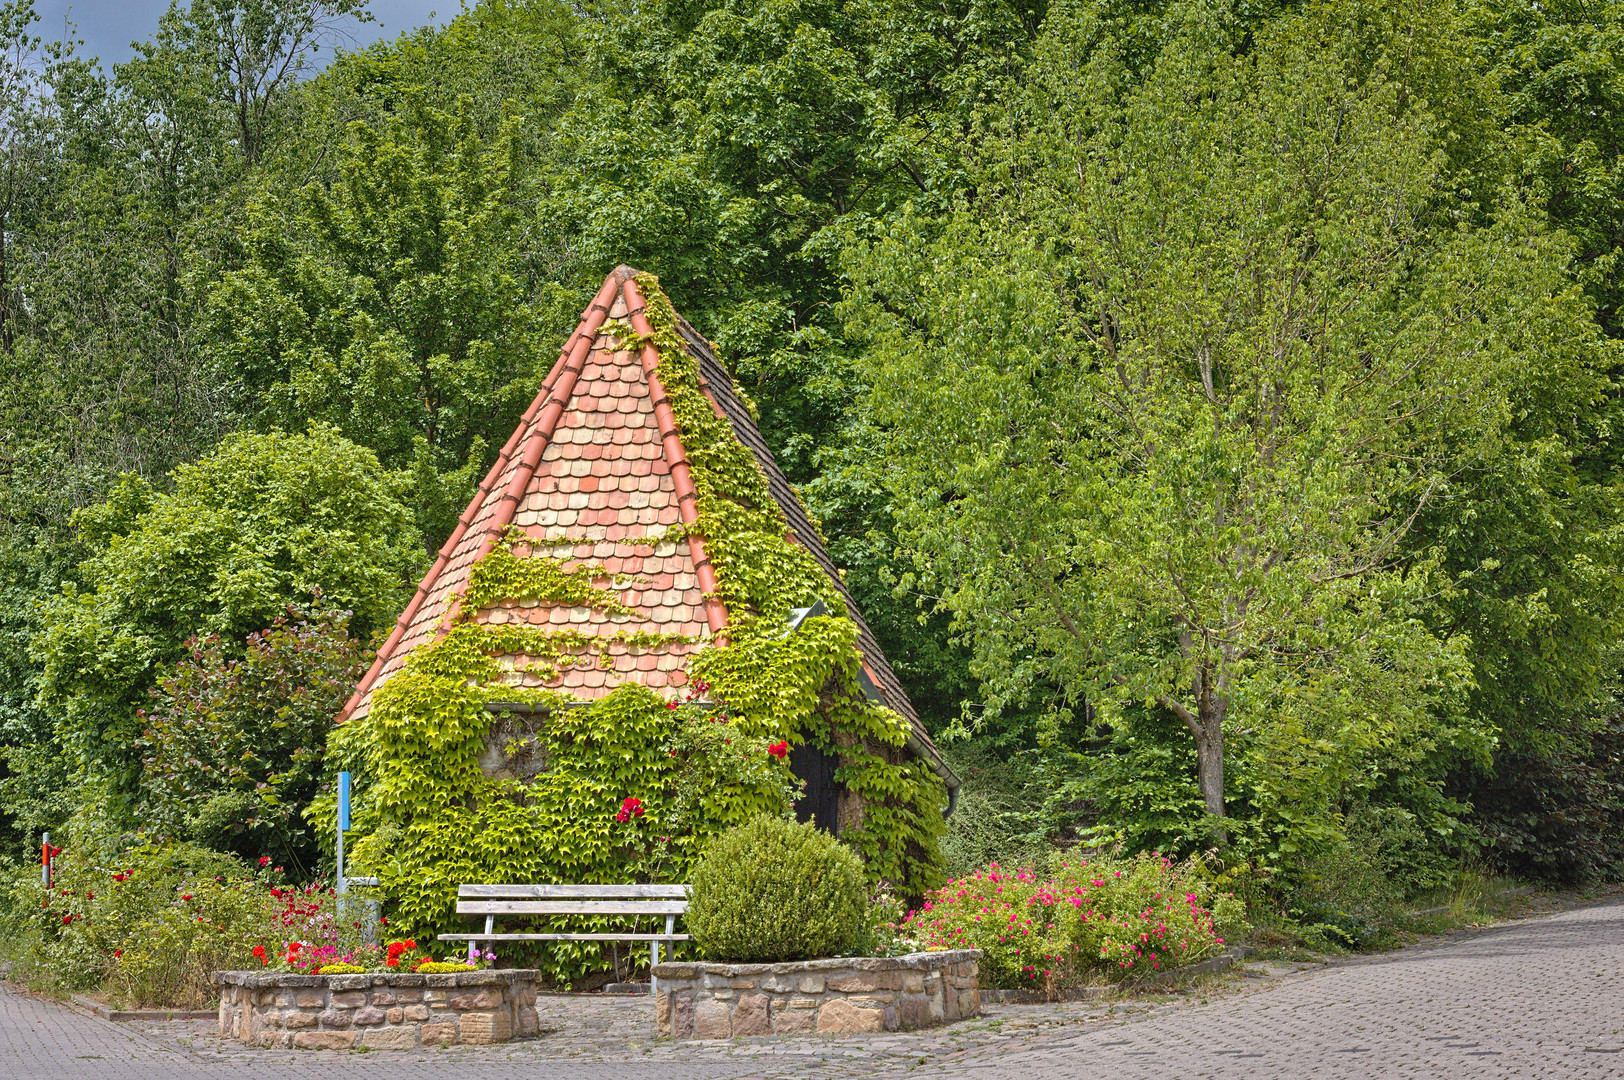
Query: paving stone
point(1538, 998)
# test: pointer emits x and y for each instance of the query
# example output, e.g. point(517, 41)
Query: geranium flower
point(779, 750)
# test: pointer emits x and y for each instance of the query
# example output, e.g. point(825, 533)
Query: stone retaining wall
point(337, 1012)
point(842, 996)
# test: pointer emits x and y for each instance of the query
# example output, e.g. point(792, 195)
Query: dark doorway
point(821, 802)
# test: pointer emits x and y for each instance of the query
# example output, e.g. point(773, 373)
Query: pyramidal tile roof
point(596, 471)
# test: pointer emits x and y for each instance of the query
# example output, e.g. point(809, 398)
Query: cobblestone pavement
point(1539, 997)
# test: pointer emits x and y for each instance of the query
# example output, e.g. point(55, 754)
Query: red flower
point(410, 944)
point(90, 896)
point(264, 860)
point(671, 705)
point(117, 953)
point(632, 807)
point(186, 896)
point(66, 919)
point(259, 954)
point(779, 750)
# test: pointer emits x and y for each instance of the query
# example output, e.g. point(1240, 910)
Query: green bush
point(1345, 898)
point(771, 890)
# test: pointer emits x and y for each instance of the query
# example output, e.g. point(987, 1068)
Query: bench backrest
point(572, 900)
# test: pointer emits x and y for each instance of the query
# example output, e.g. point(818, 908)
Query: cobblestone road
point(1536, 998)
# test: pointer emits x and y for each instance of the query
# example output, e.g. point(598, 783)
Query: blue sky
point(108, 26)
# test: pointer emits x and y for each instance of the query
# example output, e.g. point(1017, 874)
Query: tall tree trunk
point(1206, 724)
point(7, 314)
point(1211, 704)
point(1209, 759)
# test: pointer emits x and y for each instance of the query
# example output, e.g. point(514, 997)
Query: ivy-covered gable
point(596, 486)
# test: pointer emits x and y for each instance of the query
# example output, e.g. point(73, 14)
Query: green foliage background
point(257, 341)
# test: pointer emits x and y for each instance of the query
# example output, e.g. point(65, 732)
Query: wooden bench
point(490, 901)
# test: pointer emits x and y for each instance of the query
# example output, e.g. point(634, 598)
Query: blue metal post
point(343, 827)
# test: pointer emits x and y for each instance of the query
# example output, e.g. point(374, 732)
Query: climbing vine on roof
point(801, 686)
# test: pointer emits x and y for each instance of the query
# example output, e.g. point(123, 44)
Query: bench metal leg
point(654, 949)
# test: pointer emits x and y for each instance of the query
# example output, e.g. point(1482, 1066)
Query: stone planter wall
point(336, 1012)
point(843, 996)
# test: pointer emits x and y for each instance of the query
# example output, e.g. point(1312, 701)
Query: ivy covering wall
point(428, 818)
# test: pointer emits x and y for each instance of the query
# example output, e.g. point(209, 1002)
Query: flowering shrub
point(152, 928)
point(1116, 917)
point(881, 932)
point(71, 936)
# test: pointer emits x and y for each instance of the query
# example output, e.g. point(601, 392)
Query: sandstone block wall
point(842, 996)
point(337, 1012)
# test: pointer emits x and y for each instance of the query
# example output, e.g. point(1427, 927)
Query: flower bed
point(1117, 918)
point(839, 996)
point(376, 1011)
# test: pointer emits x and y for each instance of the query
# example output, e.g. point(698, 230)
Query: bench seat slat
point(565, 937)
point(572, 907)
point(573, 892)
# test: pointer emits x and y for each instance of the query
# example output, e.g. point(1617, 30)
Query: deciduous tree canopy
point(1213, 404)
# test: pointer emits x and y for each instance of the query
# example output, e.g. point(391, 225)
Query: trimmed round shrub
point(771, 890)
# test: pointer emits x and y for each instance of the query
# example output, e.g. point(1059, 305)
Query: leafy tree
point(263, 522)
point(28, 122)
point(391, 306)
point(233, 747)
point(258, 49)
point(1559, 68)
point(1172, 387)
point(732, 148)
